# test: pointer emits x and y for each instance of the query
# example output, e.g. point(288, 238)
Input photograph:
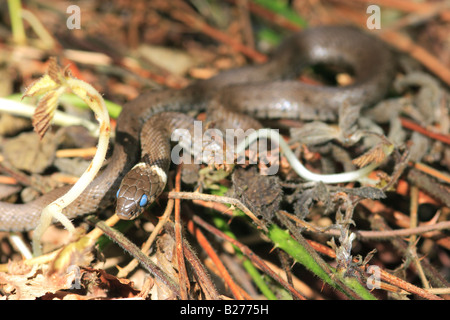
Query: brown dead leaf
point(44, 113)
point(163, 258)
point(28, 152)
point(376, 154)
point(102, 283)
point(54, 71)
point(31, 286)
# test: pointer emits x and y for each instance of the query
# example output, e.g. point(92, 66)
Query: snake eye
point(117, 194)
point(144, 200)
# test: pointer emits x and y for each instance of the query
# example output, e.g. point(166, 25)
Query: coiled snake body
point(262, 91)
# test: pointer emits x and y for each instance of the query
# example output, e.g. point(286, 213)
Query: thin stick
point(389, 234)
point(202, 276)
point(198, 268)
point(235, 289)
point(123, 272)
point(408, 124)
point(405, 44)
point(220, 199)
point(251, 255)
point(432, 172)
point(414, 206)
point(182, 274)
point(145, 261)
point(195, 23)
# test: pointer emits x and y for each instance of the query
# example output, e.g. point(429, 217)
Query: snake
point(137, 171)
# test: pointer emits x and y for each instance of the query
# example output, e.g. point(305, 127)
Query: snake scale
point(261, 91)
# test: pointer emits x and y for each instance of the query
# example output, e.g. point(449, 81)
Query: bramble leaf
point(52, 85)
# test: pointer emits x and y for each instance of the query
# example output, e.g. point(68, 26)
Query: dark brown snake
point(261, 91)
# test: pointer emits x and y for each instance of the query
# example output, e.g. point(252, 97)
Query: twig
point(222, 208)
point(72, 153)
point(402, 220)
point(45, 37)
point(412, 248)
point(202, 276)
point(285, 263)
point(17, 175)
point(222, 224)
point(408, 124)
point(238, 292)
point(46, 258)
point(123, 272)
point(132, 249)
point(199, 270)
point(182, 274)
point(8, 180)
point(195, 23)
point(220, 199)
point(244, 19)
point(389, 234)
point(430, 186)
point(432, 172)
point(385, 276)
point(20, 246)
point(300, 286)
point(405, 44)
point(439, 290)
point(251, 255)
point(400, 166)
point(378, 223)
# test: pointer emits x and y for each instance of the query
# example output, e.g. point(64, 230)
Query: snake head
point(139, 188)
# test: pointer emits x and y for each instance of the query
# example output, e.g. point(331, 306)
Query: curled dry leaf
point(52, 86)
point(376, 155)
point(44, 113)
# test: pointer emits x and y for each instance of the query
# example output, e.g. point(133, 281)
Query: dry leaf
point(376, 154)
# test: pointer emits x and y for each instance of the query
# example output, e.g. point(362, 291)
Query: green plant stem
point(14, 106)
point(281, 8)
point(72, 99)
point(222, 225)
point(299, 251)
point(45, 39)
point(284, 241)
point(15, 14)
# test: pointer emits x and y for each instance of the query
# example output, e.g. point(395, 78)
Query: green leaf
point(284, 241)
point(282, 8)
